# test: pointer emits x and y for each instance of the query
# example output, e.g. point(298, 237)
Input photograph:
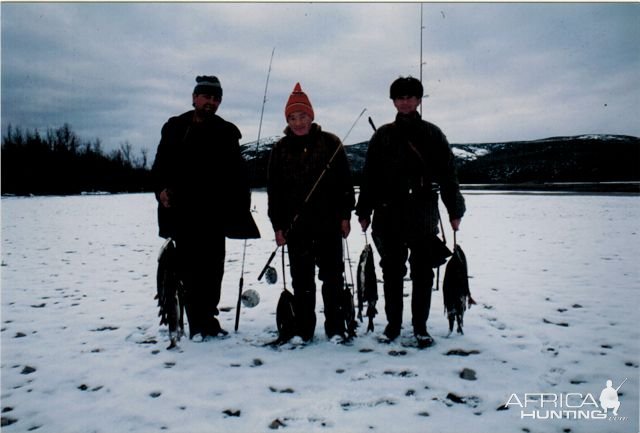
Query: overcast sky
point(492, 71)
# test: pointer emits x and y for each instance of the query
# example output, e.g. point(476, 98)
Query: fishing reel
point(250, 298)
point(271, 275)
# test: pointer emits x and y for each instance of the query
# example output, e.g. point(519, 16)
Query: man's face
point(206, 105)
point(299, 122)
point(406, 104)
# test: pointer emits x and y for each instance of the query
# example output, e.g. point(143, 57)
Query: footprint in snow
point(281, 391)
point(105, 328)
point(348, 405)
point(85, 387)
point(403, 373)
point(28, 370)
point(554, 376)
point(232, 412)
point(7, 420)
point(462, 352)
point(496, 324)
point(276, 424)
point(564, 324)
point(471, 401)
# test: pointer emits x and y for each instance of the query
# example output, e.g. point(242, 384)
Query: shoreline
point(631, 187)
point(623, 187)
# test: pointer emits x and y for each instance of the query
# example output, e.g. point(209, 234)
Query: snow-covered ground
point(555, 276)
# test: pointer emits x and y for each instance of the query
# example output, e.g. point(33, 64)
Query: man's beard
point(206, 112)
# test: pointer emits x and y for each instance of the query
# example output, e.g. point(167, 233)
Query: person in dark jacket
point(200, 181)
point(313, 229)
point(406, 161)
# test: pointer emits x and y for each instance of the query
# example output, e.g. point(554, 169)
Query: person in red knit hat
point(298, 101)
point(312, 229)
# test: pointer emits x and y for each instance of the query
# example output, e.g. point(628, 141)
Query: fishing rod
point(308, 197)
point(625, 379)
point(421, 38)
point(244, 248)
point(346, 244)
point(354, 124)
point(348, 260)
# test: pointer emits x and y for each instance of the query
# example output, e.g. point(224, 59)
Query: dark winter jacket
point(295, 164)
point(201, 165)
point(406, 161)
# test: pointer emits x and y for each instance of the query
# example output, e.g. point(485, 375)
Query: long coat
point(405, 160)
point(201, 165)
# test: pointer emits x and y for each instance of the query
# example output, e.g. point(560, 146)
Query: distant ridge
point(587, 158)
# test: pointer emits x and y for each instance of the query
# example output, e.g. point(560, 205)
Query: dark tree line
point(58, 162)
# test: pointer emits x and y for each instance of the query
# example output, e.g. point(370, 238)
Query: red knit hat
point(298, 101)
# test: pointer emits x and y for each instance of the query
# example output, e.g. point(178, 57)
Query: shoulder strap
point(412, 147)
point(417, 152)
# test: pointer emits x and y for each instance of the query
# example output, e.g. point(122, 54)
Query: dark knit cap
point(208, 85)
point(406, 86)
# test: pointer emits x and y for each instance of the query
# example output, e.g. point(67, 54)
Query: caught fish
point(346, 306)
point(285, 318)
point(170, 292)
point(455, 289)
point(285, 312)
point(347, 311)
point(367, 285)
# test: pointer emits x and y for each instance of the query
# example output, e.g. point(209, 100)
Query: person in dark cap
point(407, 161)
point(202, 187)
point(312, 229)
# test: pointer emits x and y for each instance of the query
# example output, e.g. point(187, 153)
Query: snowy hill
point(582, 158)
point(249, 150)
point(257, 156)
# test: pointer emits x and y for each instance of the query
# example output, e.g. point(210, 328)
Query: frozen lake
point(555, 276)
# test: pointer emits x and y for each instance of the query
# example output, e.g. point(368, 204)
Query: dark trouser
point(201, 261)
point(393, 256)
point(306, 250)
